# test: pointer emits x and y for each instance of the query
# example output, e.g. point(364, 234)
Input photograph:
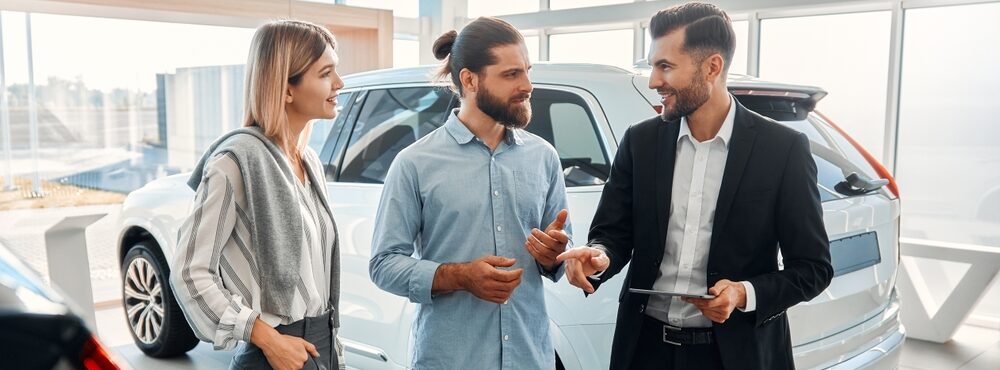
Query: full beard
point(508, 114)
point(686, 100)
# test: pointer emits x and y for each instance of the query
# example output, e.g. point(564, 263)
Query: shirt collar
point(462, 134)
point(725, 132)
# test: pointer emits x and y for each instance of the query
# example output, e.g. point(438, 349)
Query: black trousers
point(317, 330)
point(653, 353)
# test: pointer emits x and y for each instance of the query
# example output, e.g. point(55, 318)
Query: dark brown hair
point(709, 29)
point(472, 48)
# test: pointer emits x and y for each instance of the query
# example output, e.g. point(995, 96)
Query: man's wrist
point(742, 304)
point(550, 268)
point(448, 278)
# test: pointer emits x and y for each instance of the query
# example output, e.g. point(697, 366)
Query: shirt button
point(499, 228)
point(506, 337)
point(496, 193)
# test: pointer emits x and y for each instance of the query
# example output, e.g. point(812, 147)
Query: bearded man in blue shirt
point(473, 215)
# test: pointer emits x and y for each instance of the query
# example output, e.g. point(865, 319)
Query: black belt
point(681, 336)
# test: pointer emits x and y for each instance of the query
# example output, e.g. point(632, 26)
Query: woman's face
point(315, 96)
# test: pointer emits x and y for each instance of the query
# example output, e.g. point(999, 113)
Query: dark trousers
point(653, 353)
point(317, 330)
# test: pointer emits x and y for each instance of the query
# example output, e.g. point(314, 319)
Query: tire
point(143, 270)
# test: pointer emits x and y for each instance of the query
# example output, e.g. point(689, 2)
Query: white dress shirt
point(698, 171)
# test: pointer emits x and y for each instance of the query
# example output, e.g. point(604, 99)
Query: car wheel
point(155, 319)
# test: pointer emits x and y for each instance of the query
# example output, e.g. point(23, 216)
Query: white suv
point(582, 110)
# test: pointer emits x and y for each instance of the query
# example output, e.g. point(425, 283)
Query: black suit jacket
point(768, 198)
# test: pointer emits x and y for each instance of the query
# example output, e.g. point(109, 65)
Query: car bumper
point(883, 355)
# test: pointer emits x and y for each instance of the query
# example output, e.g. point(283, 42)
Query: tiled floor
point(972, 348)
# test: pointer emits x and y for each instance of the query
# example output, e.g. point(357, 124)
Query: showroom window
point(569, 4)
point(531, 42)
point(405, 52)
point(598, 47)
point(845, 54)
point(948, 132)
point(400, 8)
point(493, 8)
point(129, 111)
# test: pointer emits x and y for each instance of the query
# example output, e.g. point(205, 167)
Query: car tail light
point(879, 168)
point(96, 357)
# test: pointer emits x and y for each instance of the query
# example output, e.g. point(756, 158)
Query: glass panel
point(116, 115)
point(835, 157)
point(321, 128)
point(492, 8)
point(742, 31)
point(405, 53)
point(615, 48)
point(948, 164)
point(564, 120)
point(389, 121)
point(568, 4)
point(531, 42)
point(400, 8)
point(845, 54)
point(948, 156)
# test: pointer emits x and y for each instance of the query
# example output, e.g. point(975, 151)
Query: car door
point(375, 324)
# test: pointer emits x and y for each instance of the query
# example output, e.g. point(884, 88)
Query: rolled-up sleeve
point(397, 226)
point(215, 315)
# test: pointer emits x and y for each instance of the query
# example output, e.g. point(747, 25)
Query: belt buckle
point(667, 329)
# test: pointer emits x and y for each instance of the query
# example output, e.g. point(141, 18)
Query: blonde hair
point(280, 53)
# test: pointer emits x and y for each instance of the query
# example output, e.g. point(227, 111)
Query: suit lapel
point(666, 153)
point(740, 147)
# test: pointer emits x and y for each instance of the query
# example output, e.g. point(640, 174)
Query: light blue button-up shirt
point(448, 199)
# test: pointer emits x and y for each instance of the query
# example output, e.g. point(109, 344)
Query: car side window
point(322, 128)
point(565, 120)
point(390, 120)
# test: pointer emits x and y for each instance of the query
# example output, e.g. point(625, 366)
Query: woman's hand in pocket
point(282, 351)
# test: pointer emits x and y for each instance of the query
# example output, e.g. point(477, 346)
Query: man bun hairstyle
point(442, 46)
point(472, 48)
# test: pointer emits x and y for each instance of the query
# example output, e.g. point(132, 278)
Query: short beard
point(687, 100)
point(506, 113)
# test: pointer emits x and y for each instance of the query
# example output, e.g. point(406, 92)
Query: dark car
point(38, 329)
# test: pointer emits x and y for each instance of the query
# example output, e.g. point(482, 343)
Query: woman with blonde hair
point(257, 258)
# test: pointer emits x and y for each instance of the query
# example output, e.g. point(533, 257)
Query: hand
point(581, 262)
point(544, 246)
point(728, 296)
point(282, 351)
point(484, 280)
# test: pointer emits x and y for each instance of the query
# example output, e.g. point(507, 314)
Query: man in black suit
point(700, 200)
